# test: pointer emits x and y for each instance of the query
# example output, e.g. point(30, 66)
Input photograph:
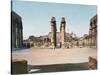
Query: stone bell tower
point(62, 32)
point(53, 31)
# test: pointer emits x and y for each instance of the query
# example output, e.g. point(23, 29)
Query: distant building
point(91, 38)
point(68, 38)
point(26, 44)
point(16, 30)
point(34, 41)
point(57, 37)
point(93, 31)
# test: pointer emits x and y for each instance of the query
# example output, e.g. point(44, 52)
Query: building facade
point(90, 40)
point(93, 31)
point(57, 38)
point(16, 30)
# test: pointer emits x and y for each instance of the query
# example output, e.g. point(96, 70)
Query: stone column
point(87, 42)
point(16, 36)
point(53, 32)
point(13, 32)
point(62, 31)
point(20, 34)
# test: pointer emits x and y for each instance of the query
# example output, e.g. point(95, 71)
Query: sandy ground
point(36, 56)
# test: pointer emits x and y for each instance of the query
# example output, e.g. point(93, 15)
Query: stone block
point(19, 66)
point(92, 63)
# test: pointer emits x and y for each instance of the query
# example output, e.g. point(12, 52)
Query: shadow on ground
point(58, 67)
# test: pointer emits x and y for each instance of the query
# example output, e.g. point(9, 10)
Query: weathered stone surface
point(19, 66)
point(93, 31)
point(16, 30)
point(92, 63)
point(62, 31)
point(53, 32)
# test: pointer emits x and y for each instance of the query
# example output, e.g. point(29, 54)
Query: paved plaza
point(37, 56)
point(55, 60)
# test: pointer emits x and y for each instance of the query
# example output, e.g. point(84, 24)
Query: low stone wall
point(18, 67)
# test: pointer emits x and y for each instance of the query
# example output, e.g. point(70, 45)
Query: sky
point(36, 17)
